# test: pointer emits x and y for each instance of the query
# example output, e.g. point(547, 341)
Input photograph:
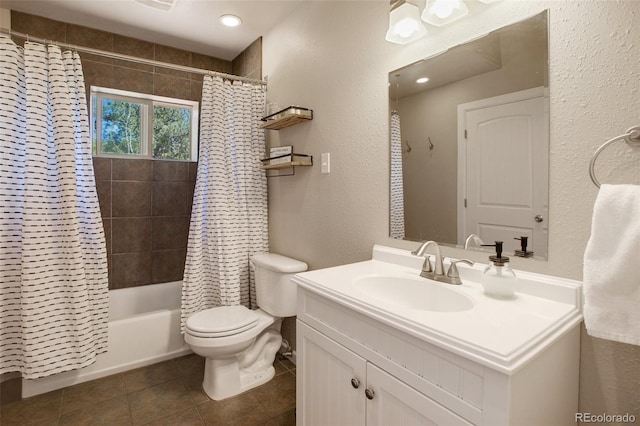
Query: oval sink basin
point(414, 293)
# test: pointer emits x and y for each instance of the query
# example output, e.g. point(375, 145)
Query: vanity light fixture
point(404, 24)
point(230, 20)
point(422, 80)
point(442, 12)
point(165, 5)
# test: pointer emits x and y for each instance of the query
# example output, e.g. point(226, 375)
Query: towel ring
point(632, 138)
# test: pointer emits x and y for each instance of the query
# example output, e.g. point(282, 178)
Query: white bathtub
point(144, 328)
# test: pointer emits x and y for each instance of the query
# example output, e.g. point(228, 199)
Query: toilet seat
point(221, 321)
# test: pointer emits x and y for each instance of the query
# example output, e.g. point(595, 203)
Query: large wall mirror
point(470, 146)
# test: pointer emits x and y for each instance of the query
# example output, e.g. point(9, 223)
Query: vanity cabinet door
point(392, 402)
point(330, 381)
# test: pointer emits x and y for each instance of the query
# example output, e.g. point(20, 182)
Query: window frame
point(147, 103)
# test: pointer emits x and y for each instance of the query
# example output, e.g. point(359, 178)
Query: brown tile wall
point(249, 62)
point(145, 204)
point(124, 75)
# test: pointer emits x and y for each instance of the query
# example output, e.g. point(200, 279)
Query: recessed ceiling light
point(422, 80)
point(230, 20)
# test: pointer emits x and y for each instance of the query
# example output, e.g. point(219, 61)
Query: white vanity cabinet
point(348, 390)
point(360, 362)
point(329, 369)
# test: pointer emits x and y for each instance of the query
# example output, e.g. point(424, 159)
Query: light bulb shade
point(405, 25)
point(230, 20)
point(165, 5)
point(443, 12)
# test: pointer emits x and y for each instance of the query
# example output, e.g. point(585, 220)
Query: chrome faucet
point(473, 240)
point(451, 277)
point(426, 266)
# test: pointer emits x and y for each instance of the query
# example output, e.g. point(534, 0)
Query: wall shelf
point(279, 120)
point(287, 117)
point(277, 163)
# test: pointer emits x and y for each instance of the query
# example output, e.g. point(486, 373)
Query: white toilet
point(240, 344)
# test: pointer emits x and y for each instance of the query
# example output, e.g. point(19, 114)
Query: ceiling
point(459, 63)
point(190, 25)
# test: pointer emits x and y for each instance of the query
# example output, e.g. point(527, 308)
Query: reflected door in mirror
point(504, 178)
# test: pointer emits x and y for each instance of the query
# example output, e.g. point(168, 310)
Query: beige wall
point(5, 18)
point(332, 57)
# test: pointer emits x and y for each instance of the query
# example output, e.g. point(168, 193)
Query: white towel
point(612, 266)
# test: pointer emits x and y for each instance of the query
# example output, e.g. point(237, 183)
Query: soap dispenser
point(498, 279)
point(523, 252)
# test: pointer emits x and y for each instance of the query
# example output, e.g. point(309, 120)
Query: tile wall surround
point(145, 204)
point(249, 62)
point(123, 75)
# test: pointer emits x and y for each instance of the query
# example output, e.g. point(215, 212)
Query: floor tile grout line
point(61, 404)
point(200, 414)
point(129, 406)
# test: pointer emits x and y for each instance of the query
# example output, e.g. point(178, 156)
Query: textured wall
point(332, 57)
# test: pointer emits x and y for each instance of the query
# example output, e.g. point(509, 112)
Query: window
point(144, 126)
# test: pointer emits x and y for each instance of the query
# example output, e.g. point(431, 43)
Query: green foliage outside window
point(171, 133)
point(121, 125)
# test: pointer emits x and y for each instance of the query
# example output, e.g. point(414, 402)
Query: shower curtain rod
point(129, 58)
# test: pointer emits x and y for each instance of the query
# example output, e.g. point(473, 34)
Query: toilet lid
point(221, 321)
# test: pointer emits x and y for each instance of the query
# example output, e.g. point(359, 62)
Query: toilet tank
point(275, 293)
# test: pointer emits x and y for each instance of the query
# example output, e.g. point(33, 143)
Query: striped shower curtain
point(53, 264)
point(396, 212)
point(229, 214)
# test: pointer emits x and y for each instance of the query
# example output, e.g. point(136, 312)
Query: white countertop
point(501, 334)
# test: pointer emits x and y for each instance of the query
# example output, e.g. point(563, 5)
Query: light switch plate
point(325, 162)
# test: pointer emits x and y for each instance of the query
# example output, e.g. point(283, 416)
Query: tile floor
point(168, 393)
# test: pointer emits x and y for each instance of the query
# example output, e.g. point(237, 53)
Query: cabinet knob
point(355, 383)
point(369, 393)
